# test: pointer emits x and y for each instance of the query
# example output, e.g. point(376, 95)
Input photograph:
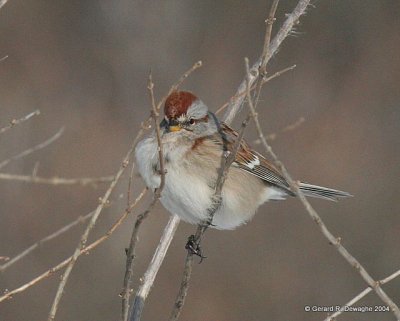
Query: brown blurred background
point(84, 64)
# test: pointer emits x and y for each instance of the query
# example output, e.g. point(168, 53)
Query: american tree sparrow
point(193, 140)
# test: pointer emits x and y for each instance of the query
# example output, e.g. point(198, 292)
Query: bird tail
point(322, 192)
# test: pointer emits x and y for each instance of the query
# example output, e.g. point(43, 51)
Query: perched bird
point(193, 142)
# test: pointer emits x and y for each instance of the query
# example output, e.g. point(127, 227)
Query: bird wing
point(253, 162)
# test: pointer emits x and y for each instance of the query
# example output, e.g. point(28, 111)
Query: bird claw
point(193, 247)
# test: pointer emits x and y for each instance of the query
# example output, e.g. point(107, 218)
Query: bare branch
point(226, 162)
point(33, 149)
point(267, 39)
point(84, 181)
point(357, 298)
point(233, 109)
point(16, 122)
point(64, 229)
point(236, 104)
point(130, 254)
point(265, 80)
point(9, 294)
point(336, 241)
point(88, 229)
point(286, 129)
point(154, 266)
point(180, 299)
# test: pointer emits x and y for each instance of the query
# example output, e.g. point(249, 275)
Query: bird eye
point(191, 121)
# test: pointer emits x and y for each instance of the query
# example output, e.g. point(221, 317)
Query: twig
point(168, 230)
point(16, 122)
point(84, 181)
point(180, 299)
point(336, 241)
point(33, 149)
point(286, 129)
point(226, 162)
point(267, 39)
point(291, 20)
point(87, 249)
point(154, 266)
point(265, 80)
point(233, 108)
point(2, 3)
point(130, 254)
point(361, 295)
point(85, 235)
point(278, 74)
point(48, 238)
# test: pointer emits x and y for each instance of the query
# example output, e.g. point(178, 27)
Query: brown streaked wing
point(255, 163)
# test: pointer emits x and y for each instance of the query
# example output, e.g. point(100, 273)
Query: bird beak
point(174, 126)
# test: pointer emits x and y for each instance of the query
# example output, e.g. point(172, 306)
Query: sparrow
point(193, 142)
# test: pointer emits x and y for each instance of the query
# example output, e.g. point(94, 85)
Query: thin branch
point(180, 299)
point(2, 3)
point(286, 129)
point(291, 20)
point(265, 80)
point(9, 294)
point(144, 126)
point(226, 161)
point(267, 39)
point(84, 181)
point(33, 149)
point(130, 255)
point(336, 241)
point(85, 235)
point(30, 249)
point(154, 266)
point(16, 122)
point(233, 109)
point(361, 295)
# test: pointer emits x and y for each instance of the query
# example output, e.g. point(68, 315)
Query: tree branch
point(16, 122)
point(9, 294)
point(88, 229)
point(84, 181)
point(154, 266)
point(235, 105)
point(336, 241)
point(33, 149)
point(64, 229)
point(130, 254)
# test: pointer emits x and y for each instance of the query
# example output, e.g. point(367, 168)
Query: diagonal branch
point(35, 148)
point(91, 224)
point(130, 254)
point(336, 241)
point(9, 294)
point(154, 266)
point(16, 122)
point(131, 250)
point(357, 298)
point(64, 229)
point(236, 104)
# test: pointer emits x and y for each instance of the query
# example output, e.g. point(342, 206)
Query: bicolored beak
point(176, 128)
point(171, 125)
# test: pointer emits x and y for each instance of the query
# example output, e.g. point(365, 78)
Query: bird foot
point(193, 247)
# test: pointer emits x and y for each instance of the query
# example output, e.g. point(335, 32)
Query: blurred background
point(85, 64)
